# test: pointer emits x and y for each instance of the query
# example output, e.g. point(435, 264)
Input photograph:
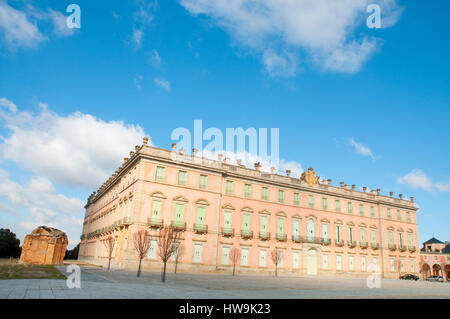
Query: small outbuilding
point(45, 245)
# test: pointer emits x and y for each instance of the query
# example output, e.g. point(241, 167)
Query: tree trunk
point(109, 261)
point(176, 266)
point(234, 267)
point(139, 268)
point(276, 271)
point(163, 279)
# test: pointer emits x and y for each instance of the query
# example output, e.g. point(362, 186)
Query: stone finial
point(258, 166)
point(346, 186)
point(239, 162)
point(412, 199)
point(137, 148)
point(288, 172)
point(273, 170)
point(342, 184)
point(364, 189)
point(400, 196)
point(125, 159)
point(391, 194)
point(226, 160)
point(372, 191)
point(353, 187)
point(131, 154)
point(329, 181)
point(194, 152)
point(220, 157)
point(145, 140)
point(378, 191)
point(174, 147)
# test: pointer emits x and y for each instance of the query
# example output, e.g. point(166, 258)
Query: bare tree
point(235, 255)
point(141, 244)
point(399, 267)
point(109, 243)
point(167, 237)
point(277, 257)
point(177, 253)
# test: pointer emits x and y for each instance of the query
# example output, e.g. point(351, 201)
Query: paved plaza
point(100, 283)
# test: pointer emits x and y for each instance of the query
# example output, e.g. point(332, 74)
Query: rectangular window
point(375, 262)
point(372, 211)
point(363, 263)
point(281, 254)
point(311, 201)
point(410, 241)
point(338, 233)
point(281, 196)
point(350, 234)
point(324, 203)
point(246, 223)
point(227, 220)
point(296, 199)
point(179, 212)
point(337, 205)
point(225, 255)
point(198, 252)
point(182, 177)
point(229, 187)
point(295, 260)
point(247, 190)
point(392, 264)
point(262, 258)
point(362, 235)
point(296, 229)
point(265, 193)
point(244, 256)
point(351, 264)
point(338, 262)
point(412, 265)
point(400, 240)
point(325, 261)
point(402, 265)
point(203, 181)
point(373, 236)
point(160, 173)
point(391, 238)
point(361, 209)
point(263, 224)
point(388, 213)
point(325, 231)
point(350, 207)
point(280, 227)
point(156, 209)
point(152, 248)
point(399, 215)
point(408, 216)
point(200, 216)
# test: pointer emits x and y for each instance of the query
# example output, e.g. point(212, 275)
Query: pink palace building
point(318, 228)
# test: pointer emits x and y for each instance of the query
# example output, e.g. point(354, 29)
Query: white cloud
point(59, 21)
point(78, 150)
point(8, 104)
point(142, 18)
point(163, 84)
point(323, 30)
point(417, 179)
point(155, 59)
point(361, 149)
point(280, 65)
point(17, 29)
point(137, 38)
point(137, 82)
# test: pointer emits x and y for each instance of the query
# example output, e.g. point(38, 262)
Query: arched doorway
point(426, 271)
point(447, 270)
point(437, 270)
point(311, 262)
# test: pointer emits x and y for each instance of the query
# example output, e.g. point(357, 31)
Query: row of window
point(182, 177)
point(263, 256)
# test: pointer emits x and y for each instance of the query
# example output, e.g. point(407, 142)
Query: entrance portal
point(311, 262)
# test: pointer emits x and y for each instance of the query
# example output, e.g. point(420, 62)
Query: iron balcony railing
point(326, 241)
point(339, 243)
point(200, 228)
point(392, 247)
point(155, 223)
point(227, 232)
point(281, 237)
point(363, 245)
point(247, 234)
point(352, 244)
point(375, 246)
point(264, 235)
point(402, 248)
point(296, 238)
point(412, 249)
point(178, 226)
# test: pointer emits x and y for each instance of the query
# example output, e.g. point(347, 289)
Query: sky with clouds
point(364, 106)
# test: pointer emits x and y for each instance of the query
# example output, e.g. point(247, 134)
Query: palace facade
point(435, 259)
point(316, 227)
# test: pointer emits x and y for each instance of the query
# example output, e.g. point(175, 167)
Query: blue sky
point(365, 106)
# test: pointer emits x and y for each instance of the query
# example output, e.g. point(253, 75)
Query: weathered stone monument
point(45, 245)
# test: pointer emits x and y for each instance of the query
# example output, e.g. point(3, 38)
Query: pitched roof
point(433, 240)
point(446, 250)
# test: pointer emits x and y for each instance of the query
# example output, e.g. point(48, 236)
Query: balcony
point(264, 235)
point(392, 247)
point(375, 246)
point(200, 229)
point(227, 232)
point(296, 239)
point(339, 243)
point(351, 244)
point(313, 240)
point(363, 245)
point(402, 248)
point(326, 241)
point(281, 237)
point(155, 223)
point(411, 249)
point(247, 234)
point(178, 226)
